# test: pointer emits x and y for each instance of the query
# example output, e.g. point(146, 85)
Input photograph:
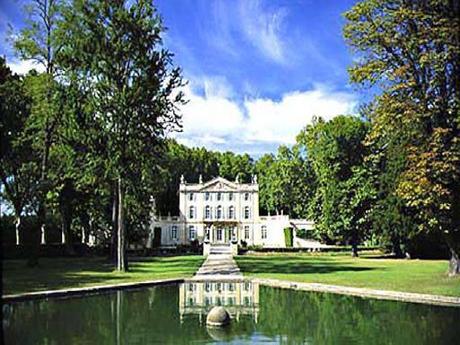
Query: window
point(264, 232)
point(207, 231)
point(190, 196)
point(246, 196)
point(231, 212)
point(230, 196)
point(207, 196)
point(191, 232)
point(246, 212)
point(247, 286)
point(246, 232)
point(207, 212)
point(207, 286)
point(174, 232)
point(191, 212)
point(219, 234)
point(219, 196)
point(219, 212)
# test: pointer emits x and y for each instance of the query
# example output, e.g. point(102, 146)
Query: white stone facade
point(219, 212)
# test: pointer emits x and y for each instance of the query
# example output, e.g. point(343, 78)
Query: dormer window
point(190, 196)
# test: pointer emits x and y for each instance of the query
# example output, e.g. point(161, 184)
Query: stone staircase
point(220, 249)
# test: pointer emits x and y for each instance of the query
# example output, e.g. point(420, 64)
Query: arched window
point(219, 212)
point(231, 212)
point(191, 213)
point(246, 212)
point(207, 212)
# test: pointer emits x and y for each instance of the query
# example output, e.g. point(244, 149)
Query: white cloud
point(280, 121)
point(24, 66)
point(263, 28)
point(216, 121)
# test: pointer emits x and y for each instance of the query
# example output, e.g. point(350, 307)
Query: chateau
point(221, 212)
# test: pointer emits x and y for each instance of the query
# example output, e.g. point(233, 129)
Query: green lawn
point(369, 271)
point(60, 273)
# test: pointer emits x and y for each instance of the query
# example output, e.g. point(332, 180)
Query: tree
point(412, 50)
point(17, 164)
point(285, 182)
point(342, 195)
point(37, 41)
point(113, 49)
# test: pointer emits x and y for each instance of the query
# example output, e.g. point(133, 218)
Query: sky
point(258, 71)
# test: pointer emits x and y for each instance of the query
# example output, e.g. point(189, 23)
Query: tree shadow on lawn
point(56, 273)
point(297, 266)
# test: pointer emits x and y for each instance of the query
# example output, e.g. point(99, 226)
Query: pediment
point(219, 184)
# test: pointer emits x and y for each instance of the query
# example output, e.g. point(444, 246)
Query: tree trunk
point(354, 245)
point(66, 239)
point(114, 237)
point(354, 250)
point(18, 230)
point(36, 241)
point(454, 263)
point(121, 248)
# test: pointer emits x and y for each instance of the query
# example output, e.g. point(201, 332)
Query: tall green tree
point(37, 41)
point(411, 49)
point(342, 195)
point(114, 49)
point(18, 165)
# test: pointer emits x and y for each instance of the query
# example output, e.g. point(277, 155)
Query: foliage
point(114, 51)
point(288, 237)
point(343, 193)
point(17, 165)
point(412, 49)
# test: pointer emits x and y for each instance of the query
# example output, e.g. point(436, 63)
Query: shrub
point(288, 238)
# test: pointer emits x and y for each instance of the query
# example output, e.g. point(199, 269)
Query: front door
point(219, 235)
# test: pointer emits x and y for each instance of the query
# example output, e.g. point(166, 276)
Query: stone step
point(220, 250)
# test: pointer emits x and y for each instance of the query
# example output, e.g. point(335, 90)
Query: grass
point(60, 273)
point(368, 271)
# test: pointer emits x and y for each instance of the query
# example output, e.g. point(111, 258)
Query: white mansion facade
point(219, 212)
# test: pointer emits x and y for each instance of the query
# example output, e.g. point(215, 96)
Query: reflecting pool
point(176, 314)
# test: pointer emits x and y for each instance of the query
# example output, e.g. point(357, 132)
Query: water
point(177, 315)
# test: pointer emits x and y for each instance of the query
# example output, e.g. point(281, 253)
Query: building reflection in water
point(238, 297)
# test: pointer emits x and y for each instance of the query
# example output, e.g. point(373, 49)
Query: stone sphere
point(217, 317)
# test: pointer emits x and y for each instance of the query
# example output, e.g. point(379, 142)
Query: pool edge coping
point(87, 290)
point(400, 296)
point(412, 297)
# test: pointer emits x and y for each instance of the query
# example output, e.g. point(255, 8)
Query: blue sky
point(258, 71)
